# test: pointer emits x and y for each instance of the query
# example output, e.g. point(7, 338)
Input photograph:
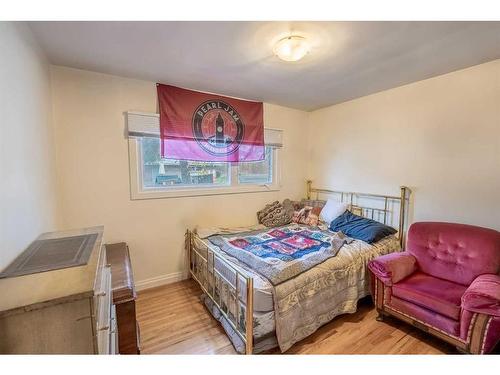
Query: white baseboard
point(160, 280)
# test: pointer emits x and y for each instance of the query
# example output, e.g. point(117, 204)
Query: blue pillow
point(360, 228)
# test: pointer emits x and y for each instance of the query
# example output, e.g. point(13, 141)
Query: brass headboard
point(382, 214)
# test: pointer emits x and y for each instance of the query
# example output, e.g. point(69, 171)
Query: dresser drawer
point(103, 303)
point(99, 282)
point(113, 334)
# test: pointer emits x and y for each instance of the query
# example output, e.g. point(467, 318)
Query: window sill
point(196, 191)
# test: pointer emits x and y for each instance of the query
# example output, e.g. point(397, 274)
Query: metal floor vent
point(52, 254)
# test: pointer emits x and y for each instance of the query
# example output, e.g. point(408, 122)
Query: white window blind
point(148, 125)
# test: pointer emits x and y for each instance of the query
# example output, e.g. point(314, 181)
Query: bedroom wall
point(439, 136)
point(27, 160)
point(92, 154)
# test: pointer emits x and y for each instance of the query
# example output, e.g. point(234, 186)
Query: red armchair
point(446, 282)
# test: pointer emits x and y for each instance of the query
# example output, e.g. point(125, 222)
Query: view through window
point(258, 172)
point(158, 172)
point(164, 173)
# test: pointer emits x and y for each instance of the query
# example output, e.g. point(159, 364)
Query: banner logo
point(218, 128)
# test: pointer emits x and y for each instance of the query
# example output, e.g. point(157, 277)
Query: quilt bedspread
point(280, 254)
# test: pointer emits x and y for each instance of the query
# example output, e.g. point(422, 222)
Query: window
point(259, 172)
point(160, 173)
point(154, 177)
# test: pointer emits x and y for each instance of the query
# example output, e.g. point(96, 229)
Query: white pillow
point(332, 210)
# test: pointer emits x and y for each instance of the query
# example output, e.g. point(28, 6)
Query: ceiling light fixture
point(291, 48)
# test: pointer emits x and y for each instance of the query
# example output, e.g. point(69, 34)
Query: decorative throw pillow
point(307, 215)
point(313, 202)
point(289, 208)
point(361, 228)
point(274, 215)
point(332, 210)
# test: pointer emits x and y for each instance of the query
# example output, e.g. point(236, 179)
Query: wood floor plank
point(173, 320)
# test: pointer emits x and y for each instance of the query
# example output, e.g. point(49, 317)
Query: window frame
point(137, 191)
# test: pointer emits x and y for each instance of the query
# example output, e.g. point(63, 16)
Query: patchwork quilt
point(282, 253)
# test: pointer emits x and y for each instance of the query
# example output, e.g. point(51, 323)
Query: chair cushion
point(454, 252)
point(441, 296)
point(431, 318)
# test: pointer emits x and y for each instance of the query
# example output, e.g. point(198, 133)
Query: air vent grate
point(52, 254)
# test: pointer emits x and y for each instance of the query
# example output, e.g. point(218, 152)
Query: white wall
point(92, 155)
point(439, 136)
point(27, 165)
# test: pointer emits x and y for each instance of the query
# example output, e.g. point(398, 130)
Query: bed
point(259, 313)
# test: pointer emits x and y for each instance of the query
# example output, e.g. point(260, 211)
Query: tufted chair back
point(454, 252)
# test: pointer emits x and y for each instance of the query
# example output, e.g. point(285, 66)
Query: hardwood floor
point(174, 321)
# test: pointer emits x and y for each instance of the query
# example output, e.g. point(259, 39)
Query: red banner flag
point(206, 127)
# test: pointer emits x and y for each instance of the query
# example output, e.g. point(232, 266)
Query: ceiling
point(347, 59)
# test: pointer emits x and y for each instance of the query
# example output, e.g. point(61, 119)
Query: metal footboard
point(226, 294)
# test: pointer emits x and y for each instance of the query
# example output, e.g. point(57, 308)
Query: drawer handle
point(105, 328)
point(108, 265)
point(101, 294)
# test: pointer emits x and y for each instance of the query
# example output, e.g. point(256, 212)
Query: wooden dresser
point(124, 297)
point(61, 311)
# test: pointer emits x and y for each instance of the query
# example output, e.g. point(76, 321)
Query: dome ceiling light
point(291, 48)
